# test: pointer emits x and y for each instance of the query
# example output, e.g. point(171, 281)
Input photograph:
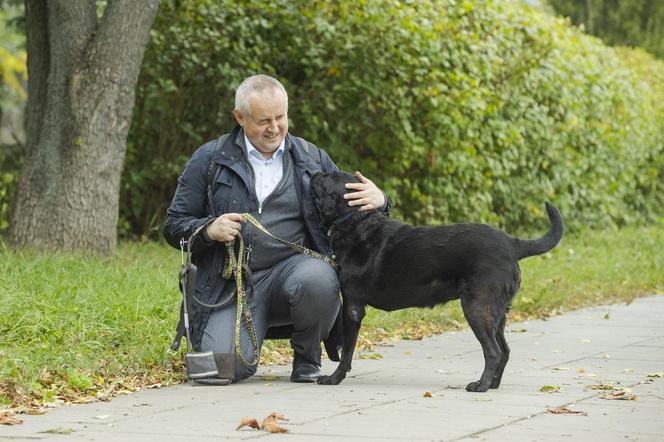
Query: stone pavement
point(385, 399)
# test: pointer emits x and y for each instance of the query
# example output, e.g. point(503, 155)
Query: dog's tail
point(531, 247)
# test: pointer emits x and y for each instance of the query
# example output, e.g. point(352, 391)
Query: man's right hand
point(226, 227)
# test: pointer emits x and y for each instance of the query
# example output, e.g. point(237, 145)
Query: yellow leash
point(236, 265)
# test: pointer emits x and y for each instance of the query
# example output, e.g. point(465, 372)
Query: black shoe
point(304, 371)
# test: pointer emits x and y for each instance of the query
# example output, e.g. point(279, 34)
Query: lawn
point(77, 329)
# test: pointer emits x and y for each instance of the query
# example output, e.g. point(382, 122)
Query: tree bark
point(82, 74)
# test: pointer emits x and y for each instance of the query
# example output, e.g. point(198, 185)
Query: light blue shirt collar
point(252, 151)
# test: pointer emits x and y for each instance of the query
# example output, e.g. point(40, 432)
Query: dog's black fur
point(390, 265)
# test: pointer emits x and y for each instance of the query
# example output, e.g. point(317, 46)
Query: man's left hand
point(367, 195)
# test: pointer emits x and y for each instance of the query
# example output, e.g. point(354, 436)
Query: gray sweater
point(280, 215)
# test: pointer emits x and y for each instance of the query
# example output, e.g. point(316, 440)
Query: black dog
point(390, 265)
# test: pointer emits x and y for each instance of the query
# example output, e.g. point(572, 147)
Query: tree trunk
point(589, 16)
point(82, 75)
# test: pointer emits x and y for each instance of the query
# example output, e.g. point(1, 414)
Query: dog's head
point(327, 191)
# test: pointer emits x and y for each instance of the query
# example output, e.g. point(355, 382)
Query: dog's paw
point(476, 387)
point(326, 380)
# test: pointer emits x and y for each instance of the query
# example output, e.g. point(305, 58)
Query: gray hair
point(258, 84)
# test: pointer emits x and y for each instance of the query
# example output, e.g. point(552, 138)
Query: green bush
point(460, 110)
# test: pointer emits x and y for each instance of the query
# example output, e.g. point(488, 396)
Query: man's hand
point(226, 227)
point(368, 196)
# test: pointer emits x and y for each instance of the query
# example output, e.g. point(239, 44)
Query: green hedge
point(460, 110)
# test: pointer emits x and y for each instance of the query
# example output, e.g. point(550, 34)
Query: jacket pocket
point(221, 191)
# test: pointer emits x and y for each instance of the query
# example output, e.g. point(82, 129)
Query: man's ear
point(238, 117)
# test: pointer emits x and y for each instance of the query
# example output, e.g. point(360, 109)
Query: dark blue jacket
point(189, 212)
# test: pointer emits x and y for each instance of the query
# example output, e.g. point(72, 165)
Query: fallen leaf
point(581, 370)
point(624, 394)
point(10, 390)
point(428, 394)
point(518, 330)
point(270, 423)
point(659, 374)
point(550, 389)
point(565, 410)
point(560, 368)
point(370, 356)
point(606, 316)
point(248, 422)
point(628, 370)
point(102, 416)
point(601, 387)
point(151, 386)
point(279, 416)
point(606, 356)
point(6, 419)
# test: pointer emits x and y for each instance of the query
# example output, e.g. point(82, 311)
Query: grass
point(76, 328)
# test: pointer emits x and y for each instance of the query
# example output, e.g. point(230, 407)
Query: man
point(262, 170)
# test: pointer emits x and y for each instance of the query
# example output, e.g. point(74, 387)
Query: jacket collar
point(302, 157)
point(234, 148)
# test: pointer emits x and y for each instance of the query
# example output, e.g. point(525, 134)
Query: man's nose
point(273, 126)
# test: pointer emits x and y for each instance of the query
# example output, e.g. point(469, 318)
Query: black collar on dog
point(342, 218)
point(339, 220)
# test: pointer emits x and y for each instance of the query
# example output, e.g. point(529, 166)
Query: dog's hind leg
point(353, 315)
point(481, 316)
point(505, 355)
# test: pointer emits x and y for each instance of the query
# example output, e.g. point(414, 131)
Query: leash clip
point(182, 244)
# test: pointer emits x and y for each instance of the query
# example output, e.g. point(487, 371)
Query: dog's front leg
point(353, 315)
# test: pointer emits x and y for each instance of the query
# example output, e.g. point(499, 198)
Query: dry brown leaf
point(248, 422)
point(428, 394)
point(6, 419)
point(270, 423)
point(565, 410)
point(155, 385)
point(624, 394)
point(10, 390)
point(278, 416)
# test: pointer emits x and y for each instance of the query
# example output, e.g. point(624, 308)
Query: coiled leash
point(233, 268)
point(236, 265)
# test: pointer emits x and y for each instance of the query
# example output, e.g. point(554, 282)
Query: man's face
point(266, 125)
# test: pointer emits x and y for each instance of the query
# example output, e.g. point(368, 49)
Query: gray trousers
point(301, 291)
